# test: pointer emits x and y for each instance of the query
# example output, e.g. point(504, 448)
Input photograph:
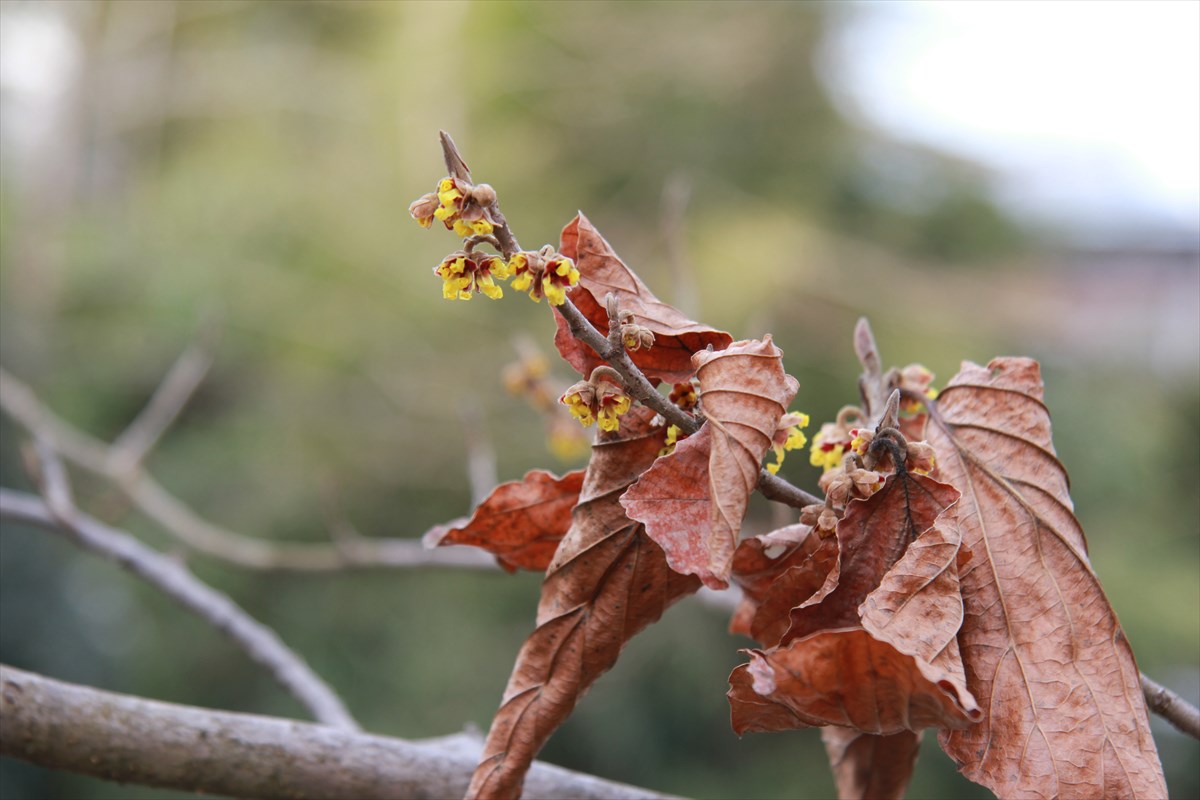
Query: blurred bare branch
point(128, 739)
point(57, 513)
point(185, 376)
point(176, 518)
point(676, 195)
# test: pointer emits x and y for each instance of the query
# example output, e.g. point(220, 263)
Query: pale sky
point(1089, 110)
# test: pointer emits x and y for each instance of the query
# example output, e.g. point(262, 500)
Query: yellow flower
point(832, 442)
point(543, 274)
point(459, 206)
point(597, 400)
point(464, 274)
point(788, 436)
point(672, 439)
point(612, 405)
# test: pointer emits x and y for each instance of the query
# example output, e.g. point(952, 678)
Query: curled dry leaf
point(601, 271)
point(520, 522)
point(843, 677)
point(1042, 647)
point(870, 767)
point(759, 561)
point(872, 536)
point(830, 671)
point(917, 607)
point(692, 501)
point(607, 581)
point(798, 586)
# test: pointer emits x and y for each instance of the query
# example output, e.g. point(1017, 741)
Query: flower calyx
point(634, 336)
point(914, 383)
point(463, 207)
point(465, 274)
point(821, 517)
point(600, 399)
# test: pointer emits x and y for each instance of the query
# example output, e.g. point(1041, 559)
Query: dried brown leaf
point(843, 677)
point(601, 271)
point(759, 561)
point(520, 522)
point(607, 581)
point(917, 606)
point(1043, 650)
point(870, 767)
point(800, 586)
point(692, 501)
point(872, 536)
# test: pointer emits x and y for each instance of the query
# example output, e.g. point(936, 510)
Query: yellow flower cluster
point(597, 400)
point(828, 446)
point(460, 206)
point(543, 274)
point(788, 436)
point(465, 274)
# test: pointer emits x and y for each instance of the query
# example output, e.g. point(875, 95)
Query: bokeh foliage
point(256, 161)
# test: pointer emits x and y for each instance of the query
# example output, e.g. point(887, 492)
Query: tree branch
point(177, 519)
point(185, 376)
point(1171, 707)
point(118, 737)
point(172, 578)
point(772, 486)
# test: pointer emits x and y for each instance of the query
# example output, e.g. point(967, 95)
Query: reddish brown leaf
point(607, 581)
point(803, 585)
point(601, 271)
point(843, 677)
point(520, 522)
point(692, 502)
point(1042, 648)
point(872, 536)
point(759, 561)
point(917, 606)
point(869, 767)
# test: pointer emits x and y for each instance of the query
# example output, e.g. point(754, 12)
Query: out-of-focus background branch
point(163, 159)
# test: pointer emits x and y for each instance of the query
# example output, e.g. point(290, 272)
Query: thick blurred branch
point(1171, 707)
point(149, 497)
point(128, 739)
point(58, 515)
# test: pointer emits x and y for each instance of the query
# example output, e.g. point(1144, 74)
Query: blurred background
point(977, 179)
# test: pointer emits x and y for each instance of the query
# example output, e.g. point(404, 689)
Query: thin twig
point(1171, 707)
point(58, 514)
point(202, 536)
point(772, 486)
point(133, 740)
point(130, 449)
point(674, 205)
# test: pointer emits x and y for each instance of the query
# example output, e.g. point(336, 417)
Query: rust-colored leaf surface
point(872, 536)
point(759, 561)
point(798, 586)
point(870, 767)
point(1042, 648)
point(843, 677)
point(693, 508)
point(601, 271)
point(917, 607)
point(521, 522)
point(607, 581)
point(828, 669)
